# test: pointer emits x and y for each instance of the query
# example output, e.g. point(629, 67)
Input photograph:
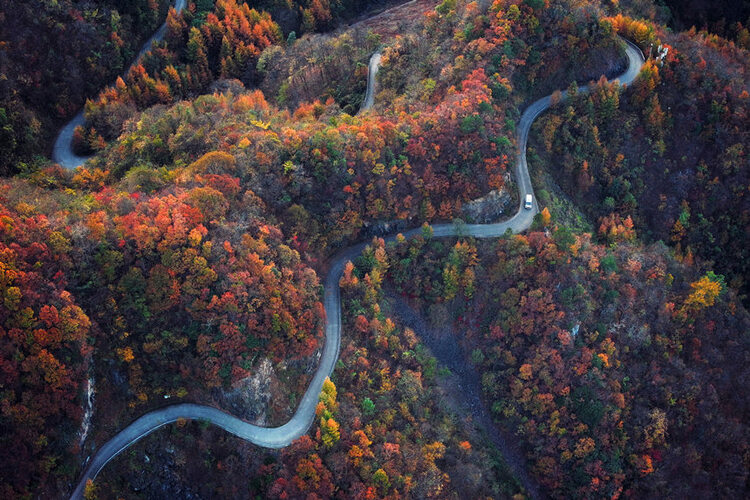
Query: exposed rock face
point(88, 411)
point(489, 208)
point(250, 398)
point(159, 476)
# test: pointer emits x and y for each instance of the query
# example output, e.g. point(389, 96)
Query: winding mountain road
point(279, 437)
point(62, 151)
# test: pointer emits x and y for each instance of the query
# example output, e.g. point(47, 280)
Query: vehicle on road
point(527, 205)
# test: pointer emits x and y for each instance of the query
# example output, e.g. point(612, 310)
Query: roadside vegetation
point(183, 261)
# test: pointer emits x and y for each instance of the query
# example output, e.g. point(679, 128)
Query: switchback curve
point(62, 151)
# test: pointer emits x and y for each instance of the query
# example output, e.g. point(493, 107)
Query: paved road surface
point(371, 74)
point(62, 151)
point(279, 437)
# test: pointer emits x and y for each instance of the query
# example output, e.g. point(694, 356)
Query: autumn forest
point(465, 290)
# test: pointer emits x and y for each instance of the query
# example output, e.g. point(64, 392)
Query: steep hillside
point(679, 166)
point(618, 368)
point(194, 258)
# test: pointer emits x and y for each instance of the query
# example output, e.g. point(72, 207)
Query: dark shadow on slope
point(467, 394)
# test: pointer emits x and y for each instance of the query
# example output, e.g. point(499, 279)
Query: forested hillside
point(671, 153)
point(621, 368)
point(55, 54)
point(45, 349)
point(381, 431)
point(186, 260)
point(723, 17)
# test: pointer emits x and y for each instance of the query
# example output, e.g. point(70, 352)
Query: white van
point(528, 203)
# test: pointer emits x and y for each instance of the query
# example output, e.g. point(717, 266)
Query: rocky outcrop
point(488, 208)
point(250, 397)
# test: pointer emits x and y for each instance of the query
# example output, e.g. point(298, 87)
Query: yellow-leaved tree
point(705, 291)
point(328, 432)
